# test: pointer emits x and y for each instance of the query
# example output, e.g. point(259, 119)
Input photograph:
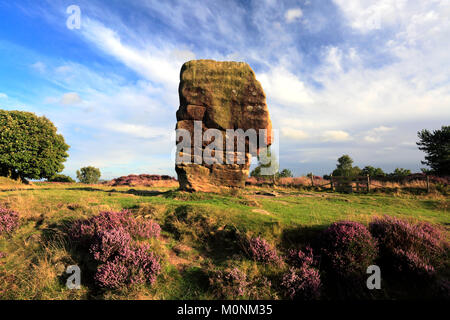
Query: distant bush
point(260, 250)
point(409, 249)
point(9, 221)
point(303, 280)
point(88, 175)
point(60, 178)
point(121, 260)
point(348, 249)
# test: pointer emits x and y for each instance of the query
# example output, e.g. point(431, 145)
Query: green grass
point(38, 252)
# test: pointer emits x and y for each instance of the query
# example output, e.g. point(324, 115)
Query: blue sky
point(341, 76)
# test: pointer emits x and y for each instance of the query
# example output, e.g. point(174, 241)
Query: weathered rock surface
point(222, 95)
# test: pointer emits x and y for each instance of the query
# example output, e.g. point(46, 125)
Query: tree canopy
point(88, 175)
point(30, 147)
point(372, 171)
point(436, 145)
point(345, 168)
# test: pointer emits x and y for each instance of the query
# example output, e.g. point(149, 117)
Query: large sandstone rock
point(222, 95)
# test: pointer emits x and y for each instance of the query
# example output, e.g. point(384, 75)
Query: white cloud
point(284, 87)
point(3, 95)
point(70, 98)
point(367, 15)
point(295, 134)
point(292, 14)
point(335, 136)
point(376, 134)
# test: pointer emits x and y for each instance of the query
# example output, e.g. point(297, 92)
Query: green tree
point(88, 175)
point(30, 147)
point(401, 172)
point(372, 171)
point(345, 167)
point(256, 172)
point(60, 178)
point(436, 145)
point(285, 173)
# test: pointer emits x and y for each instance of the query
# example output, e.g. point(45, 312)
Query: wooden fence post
point(331, 182)
point(428, 184)
point(368, 183)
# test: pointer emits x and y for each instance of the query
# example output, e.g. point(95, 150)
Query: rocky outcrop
point(221, 96)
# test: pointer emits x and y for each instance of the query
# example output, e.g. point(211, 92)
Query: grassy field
point(38, 253)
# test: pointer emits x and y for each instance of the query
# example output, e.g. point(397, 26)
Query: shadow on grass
point(57, 234)
point(150, 193)
point(299, 236)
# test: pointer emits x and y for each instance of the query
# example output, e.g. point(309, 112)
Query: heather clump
point(9, 221)
point(302, 281)
point(84, 230)
point(233, 283)
point(348, 249)
point(260, 250)
point(299, 258)
point(112, 241)
point(408, 249)
point(145, 229)
point(134, 264)
point(106, 244)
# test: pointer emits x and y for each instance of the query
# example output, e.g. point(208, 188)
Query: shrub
point(60, 178)
point(83, 231)
point(299, 258)
point(121, 261)
point(133, 265)
point(260, 250)
point(145, 229)
point(348, 249)
point(233, 283)
point(230, 283)
point(413, 249)
point(303, 280)
point(88, 175)
point(9, 221)
point(108, 244)
point(302, 283)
